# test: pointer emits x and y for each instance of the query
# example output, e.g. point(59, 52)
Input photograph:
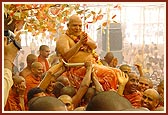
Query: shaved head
point(31, 58)
point(108, 101)
point(46, 103)
point(74, 25)
point(18, 79)
point(74, 18)
point(36, 65)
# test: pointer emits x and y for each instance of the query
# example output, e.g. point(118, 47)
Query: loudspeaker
point(115, 40)
point(115, 37)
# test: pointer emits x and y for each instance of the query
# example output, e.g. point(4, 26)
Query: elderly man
point(33, 79)
point(76, 46)
point(150, 99)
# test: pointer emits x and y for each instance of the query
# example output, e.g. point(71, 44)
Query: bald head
point(36, 65)
point(63, 80)
point(108, 101)
point(57, 89)
point(108, 57)
point(43, 47)
point(152, 92)
point(74, 25)
point(65, 98)
point(125, 68)
point(46, 103)
point(144, 83)
point(18, 79)
point(37, 69)
point(74, 18)
point(150, 99)
point(68, 90)
point(31, 58)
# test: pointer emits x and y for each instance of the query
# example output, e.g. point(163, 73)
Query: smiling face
point(143, 84)
point(132, 83)
point(75, 25)
point(150, 99)
point(51, 86)
point(37, 69)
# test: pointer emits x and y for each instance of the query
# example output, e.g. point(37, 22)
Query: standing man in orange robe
point(34, 79)
point(42, 58)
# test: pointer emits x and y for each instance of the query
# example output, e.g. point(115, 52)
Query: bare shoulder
point(63, 44)
point(62, 38)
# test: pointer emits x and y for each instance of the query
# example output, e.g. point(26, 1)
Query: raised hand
point(122, 78)
point(83, 38)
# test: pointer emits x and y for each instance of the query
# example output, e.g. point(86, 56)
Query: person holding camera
point(10, 50)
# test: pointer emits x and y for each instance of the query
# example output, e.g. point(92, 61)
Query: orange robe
point(106, 76)
point(135, 99)
point(13, 102)
point(46, 68)
point(31, 82)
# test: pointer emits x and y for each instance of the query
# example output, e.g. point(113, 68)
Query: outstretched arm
point(98, 86)
point(84, 85)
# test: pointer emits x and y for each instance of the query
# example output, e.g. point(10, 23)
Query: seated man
point(76, 47)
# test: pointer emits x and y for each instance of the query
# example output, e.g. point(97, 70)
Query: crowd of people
point(77, 79)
